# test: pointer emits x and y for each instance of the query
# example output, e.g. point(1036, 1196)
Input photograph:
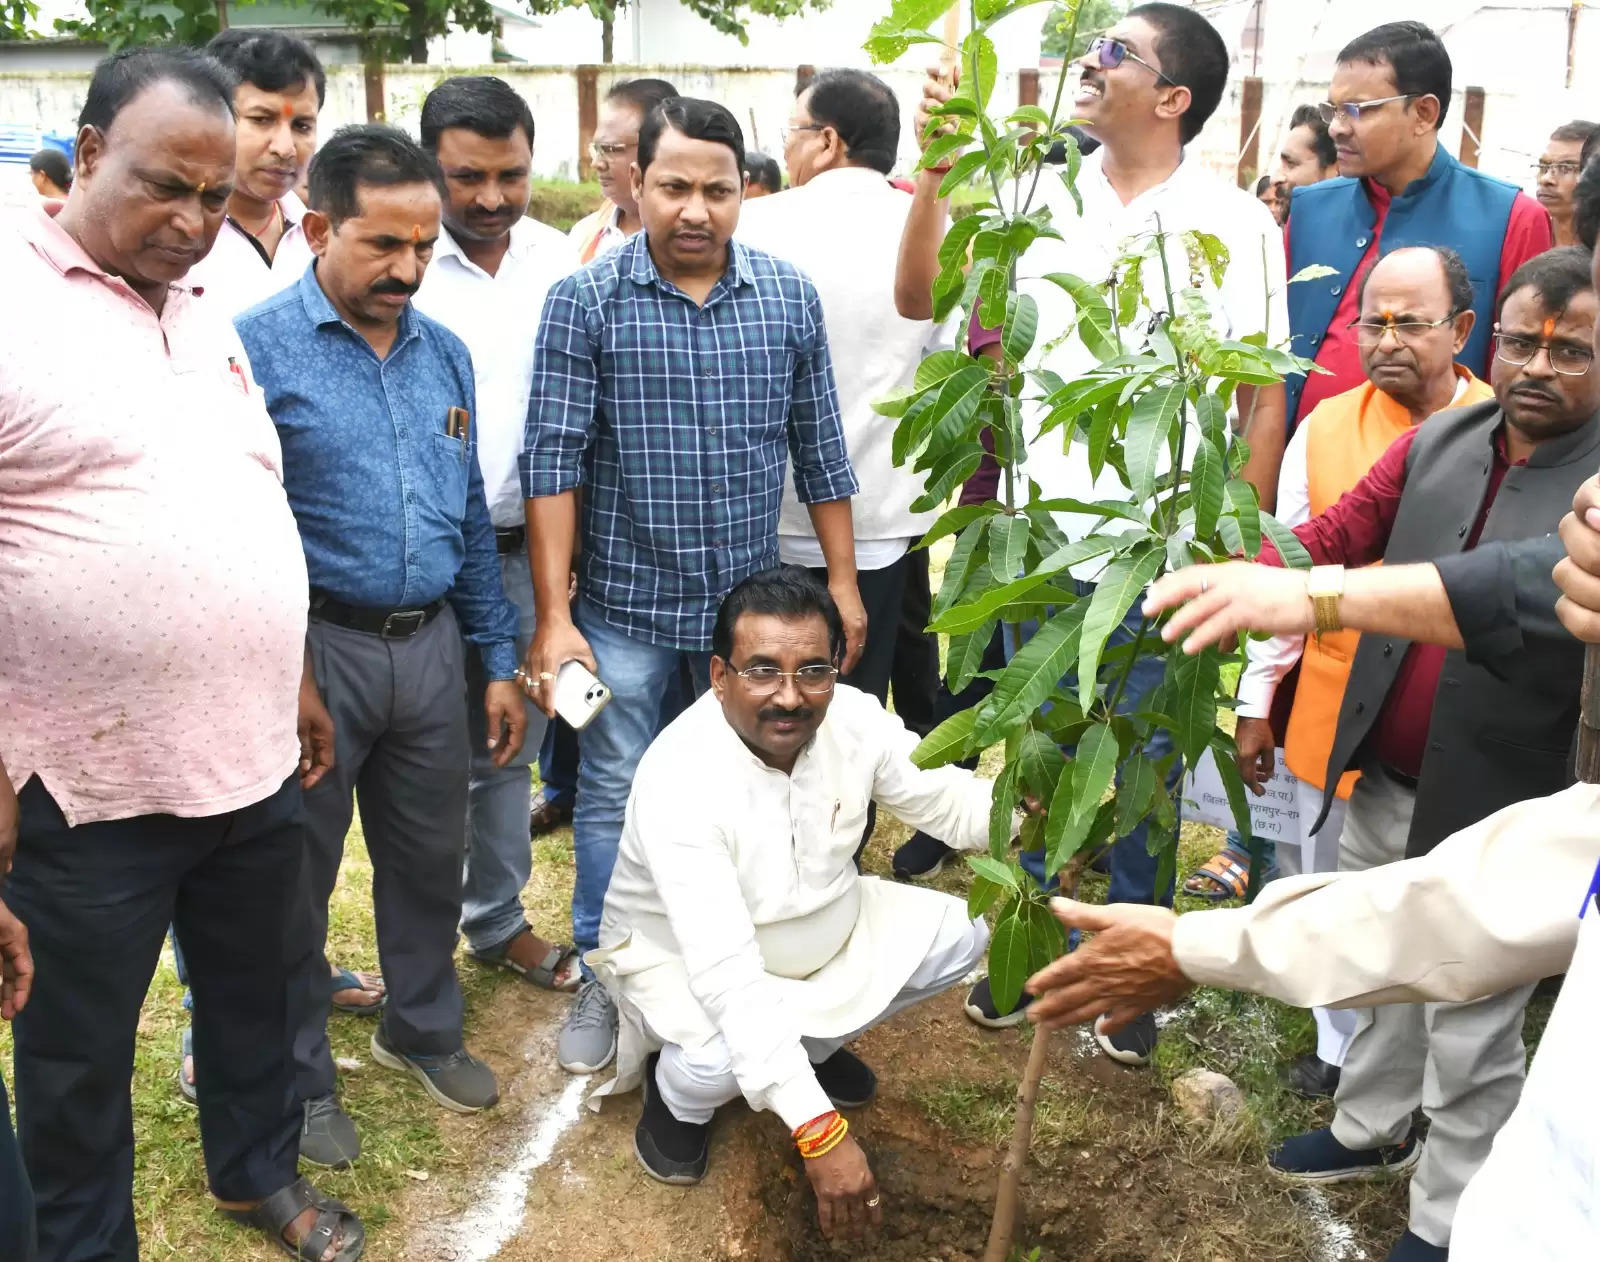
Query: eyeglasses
point(1111, 53)
point(785, 132)
point(1369, 332)
point(1566, 359)
point(597, 151)
point(763, 681)
point(1351, 111)
point(1561, 170)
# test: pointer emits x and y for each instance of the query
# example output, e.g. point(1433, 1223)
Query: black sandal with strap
point(274, 1215)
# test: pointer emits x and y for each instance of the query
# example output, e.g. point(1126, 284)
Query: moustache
point(1534, 392)
point(770, 714)
point(393, 287)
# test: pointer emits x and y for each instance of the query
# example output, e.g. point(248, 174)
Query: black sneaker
point(1312, 1078)
point(457, 1080)
point(669, 1150)
point(1317, 1157)
point(327, 1135)
point(848, 1080)
point(1133, 1045)
point(980, 1006)
point(1413, 1248)
point(920, 859)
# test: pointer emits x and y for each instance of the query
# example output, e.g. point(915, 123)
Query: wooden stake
point(1009, 1194)
point(952, 39)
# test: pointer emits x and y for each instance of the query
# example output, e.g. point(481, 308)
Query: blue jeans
point(558, 764)
point(638, 674)
point(499, 859)
point(1133, 867)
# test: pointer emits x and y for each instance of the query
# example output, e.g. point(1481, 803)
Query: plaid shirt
point(677, 421)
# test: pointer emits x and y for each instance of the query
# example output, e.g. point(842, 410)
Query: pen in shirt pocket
point(237, 370)
point(458, 424)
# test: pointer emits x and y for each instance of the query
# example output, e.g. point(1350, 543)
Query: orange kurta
point(1345, 436)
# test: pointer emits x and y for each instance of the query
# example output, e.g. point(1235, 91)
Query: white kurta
point(735, 907)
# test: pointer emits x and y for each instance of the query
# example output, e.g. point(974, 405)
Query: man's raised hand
point(1212, 603)
point(1126, 969)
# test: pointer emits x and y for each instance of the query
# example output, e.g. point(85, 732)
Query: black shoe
point(669, 1150)
point(848, 1080)
point(1312, 1078)
point(1413, 1248)
point(920, 859)
point(1317, 1157)
point(1132, 1046)
point(980, 1006)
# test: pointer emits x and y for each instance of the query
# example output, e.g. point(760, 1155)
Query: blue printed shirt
point(678, 420)
point(390, 506)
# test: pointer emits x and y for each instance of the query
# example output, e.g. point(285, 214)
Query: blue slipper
point(345, 979)
point(186, 1091)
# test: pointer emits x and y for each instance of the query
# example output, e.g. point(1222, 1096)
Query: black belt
point(508, 539)
point(391, 624)
point(1398, 777)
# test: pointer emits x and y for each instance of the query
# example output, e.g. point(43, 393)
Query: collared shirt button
point(706, 371)
point(1361, 242)
point(712, 430)
point(1461, 532)
point(1337, 290)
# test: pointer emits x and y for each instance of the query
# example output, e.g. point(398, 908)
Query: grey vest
point(1493, 739)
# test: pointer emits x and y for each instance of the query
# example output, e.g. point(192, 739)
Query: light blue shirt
point(389, 504)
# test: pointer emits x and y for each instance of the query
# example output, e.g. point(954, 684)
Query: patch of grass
point(561, 203)
point(983, 1112)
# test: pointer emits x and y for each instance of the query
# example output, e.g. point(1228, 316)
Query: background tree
point(16, 18)
point(1094, 18)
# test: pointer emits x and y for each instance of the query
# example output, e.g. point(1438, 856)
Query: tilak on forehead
point(416, 233)
point(288, 110)
point(1549, 327)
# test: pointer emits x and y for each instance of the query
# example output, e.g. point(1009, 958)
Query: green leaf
point(950, 742)
point(1205, 480)
point(1041, 761)
point(992, 290)
point(1242, 507)
point(948, 474)
point(1149, 427)
point(1314, 271)
point(988, 62)
point(940, 366)
point(893, 35)
point(1095, 326)
point(953, 250)
point(956, 404)
point(1008, 959)
point(1233, 786)
point(956, 571)
point(1033, 673)
point(1098, 508)
point(961, 170)
point(1030, 116)
point(1022, 326)
point(1047, 940)
point(955, 520)
point(964, 659)
point(1114, 595)
point(1212, 414)
point(1002, 812)
point(982, 895)
point(1094, 767)
point(940, 148)
point(1070, 169)
point(966, 617)
point(1194, 701)
point(1287, 543)
point(994, 870)
point(1008, 544)
point(1139, 780)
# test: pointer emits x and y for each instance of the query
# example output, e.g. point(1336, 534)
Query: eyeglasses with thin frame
point(1352, 111)
point(1566, 359)
point(1111, 53)
point(1561, 170)
point(785, 132)
point(608, 152)
point(763, 681)
point(1369, 332)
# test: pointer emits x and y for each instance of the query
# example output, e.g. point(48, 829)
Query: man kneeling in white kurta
point(739, 941)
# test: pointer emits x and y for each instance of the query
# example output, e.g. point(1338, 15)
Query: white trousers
point(1462, 1062)
point(694, 1082)
point(1320, 853)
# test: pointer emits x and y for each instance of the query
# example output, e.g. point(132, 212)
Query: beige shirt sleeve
point(1493, 906)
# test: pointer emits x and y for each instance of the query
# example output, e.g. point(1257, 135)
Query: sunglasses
point(1111, 53)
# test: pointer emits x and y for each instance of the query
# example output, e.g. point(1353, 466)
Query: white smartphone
point(579, 696)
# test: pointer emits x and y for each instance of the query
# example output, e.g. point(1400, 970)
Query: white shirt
point(735, 907)
point(611, 235)
point(843, 228)
point(236, 273)
point(1268, 661)
point(497, 317)
point(1252, 299)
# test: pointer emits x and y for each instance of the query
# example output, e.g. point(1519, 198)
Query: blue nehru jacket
point(390, 504)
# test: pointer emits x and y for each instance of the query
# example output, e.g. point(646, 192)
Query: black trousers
point(882, 593)
point(16, 1196)
point(97, 900)
point(915, 673)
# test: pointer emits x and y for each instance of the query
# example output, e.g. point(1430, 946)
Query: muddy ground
point(1115, 1176)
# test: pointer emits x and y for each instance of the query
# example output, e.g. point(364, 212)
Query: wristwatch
point(1325, 586)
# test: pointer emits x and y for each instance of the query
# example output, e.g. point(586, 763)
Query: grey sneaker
point(457, 1080)
point(589, 1038)
point(327, 1135)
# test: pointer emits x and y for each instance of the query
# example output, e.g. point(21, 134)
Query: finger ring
point(545, 677)
point(1204, 583)
point(875, 1202)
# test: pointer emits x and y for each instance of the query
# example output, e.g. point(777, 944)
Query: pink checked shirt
point(152, 586)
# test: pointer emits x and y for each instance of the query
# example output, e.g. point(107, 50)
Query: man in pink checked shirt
point(152, 625)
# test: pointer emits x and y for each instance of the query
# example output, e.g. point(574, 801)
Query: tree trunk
point(222, 23)
point(607, 36)
point(1009, 1193)
point(1589, 719)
